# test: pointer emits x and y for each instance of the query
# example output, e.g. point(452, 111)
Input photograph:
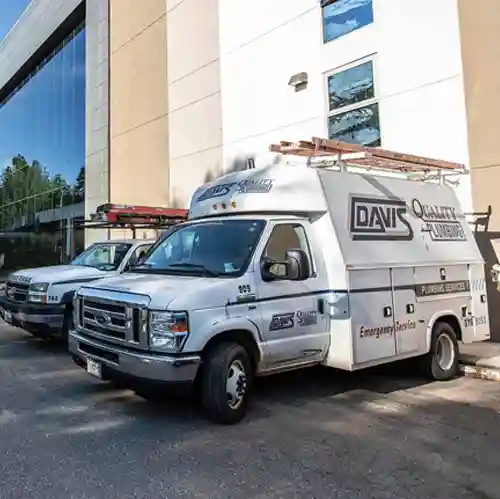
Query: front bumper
point(135, 365)
point(33, 317)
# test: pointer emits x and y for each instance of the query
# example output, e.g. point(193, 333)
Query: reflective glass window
point(353, 110)
point(358, 126)
point(341, 17)
point(351, 86)
point(42, 152)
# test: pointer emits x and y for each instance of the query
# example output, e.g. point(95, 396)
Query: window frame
point(326, 3)
point(375, 100)
point(312, 266)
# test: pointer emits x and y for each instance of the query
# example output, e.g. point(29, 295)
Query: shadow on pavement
point(315, 433)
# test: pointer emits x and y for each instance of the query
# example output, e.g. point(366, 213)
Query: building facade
point(160, 96)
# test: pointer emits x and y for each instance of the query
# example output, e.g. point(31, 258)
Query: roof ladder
point(334, 153)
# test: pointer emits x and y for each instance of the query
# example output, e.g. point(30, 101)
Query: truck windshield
point(216, 249)
point(103, 256)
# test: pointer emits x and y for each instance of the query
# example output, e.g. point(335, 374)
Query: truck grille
point(17, 291)
point(116, 321)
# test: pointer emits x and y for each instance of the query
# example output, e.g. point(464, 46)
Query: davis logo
point(379, 219)
point(216, 191)
point(282, 321)
point(247, 186)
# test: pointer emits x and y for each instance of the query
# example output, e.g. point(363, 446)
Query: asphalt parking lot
point(310, 434)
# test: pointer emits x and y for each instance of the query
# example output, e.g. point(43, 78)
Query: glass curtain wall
point(42, 158)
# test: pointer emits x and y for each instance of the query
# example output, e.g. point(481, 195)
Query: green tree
point(26, 188)
point(79, 187)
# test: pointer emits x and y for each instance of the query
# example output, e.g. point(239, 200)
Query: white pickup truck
point(40, 300)
point(283, 267)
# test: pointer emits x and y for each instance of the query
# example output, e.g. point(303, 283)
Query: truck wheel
point(441, 363)
point(67, 325)
point(79, 361)
point(226, 377)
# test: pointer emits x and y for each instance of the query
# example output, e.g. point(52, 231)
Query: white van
point(284, 267)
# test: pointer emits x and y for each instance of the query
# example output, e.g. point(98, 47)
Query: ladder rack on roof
point(343, 153)
point(119, 216)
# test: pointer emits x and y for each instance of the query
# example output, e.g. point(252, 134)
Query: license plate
point(94, 368)
point(7, 316)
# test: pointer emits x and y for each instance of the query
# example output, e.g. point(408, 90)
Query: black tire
point(79, 361)
point(431, 366)
point(67, 325)
point(216, 370)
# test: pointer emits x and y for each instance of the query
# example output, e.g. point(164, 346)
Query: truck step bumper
point(142, 366)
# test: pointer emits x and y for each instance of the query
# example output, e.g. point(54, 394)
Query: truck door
point(370, 297)
point(477, 325)
point(410, 333)
point(294, 328)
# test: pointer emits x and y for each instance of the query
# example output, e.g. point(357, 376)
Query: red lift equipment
point(133, 217)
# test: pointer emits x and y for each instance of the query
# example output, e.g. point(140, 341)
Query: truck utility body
point(40, 300)
point(282, 267)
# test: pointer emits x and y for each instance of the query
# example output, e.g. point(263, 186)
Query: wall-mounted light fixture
point(298, 81)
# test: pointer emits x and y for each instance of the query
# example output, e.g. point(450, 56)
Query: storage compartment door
point(410, 332)
point(372, 316)
point(477, 325)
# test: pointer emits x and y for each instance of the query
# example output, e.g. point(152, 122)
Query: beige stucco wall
point(194, 103)
point(480, 36)
point(480, 33)
point(139, 172)
point(165, 108)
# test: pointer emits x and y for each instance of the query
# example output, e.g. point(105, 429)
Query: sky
point(10, 10)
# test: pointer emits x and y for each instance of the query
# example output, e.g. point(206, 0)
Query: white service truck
point(283, 267)
point(40, 300)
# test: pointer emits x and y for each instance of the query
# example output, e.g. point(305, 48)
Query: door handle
point(387, 311)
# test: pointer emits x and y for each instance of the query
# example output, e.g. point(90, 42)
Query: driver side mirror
point(296, 267)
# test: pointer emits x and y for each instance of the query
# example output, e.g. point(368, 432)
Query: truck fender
point(432, 321)
point(67, 297)
point(241, 324)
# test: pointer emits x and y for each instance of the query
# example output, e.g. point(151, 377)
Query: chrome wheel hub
point(236, 384)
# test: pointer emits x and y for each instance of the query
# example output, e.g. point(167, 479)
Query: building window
point(353, 114)
point(42, 158)
point(343, 16)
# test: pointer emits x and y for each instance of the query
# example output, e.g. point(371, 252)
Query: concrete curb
point(480, 372)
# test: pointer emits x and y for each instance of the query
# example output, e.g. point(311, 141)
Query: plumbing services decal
point(440, 222)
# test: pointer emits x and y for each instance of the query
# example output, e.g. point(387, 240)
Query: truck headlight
point(37, 292)
point(168, 330)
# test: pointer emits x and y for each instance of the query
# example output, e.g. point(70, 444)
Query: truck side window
point(137, 254)
point(285, 237)
point(140, 251)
